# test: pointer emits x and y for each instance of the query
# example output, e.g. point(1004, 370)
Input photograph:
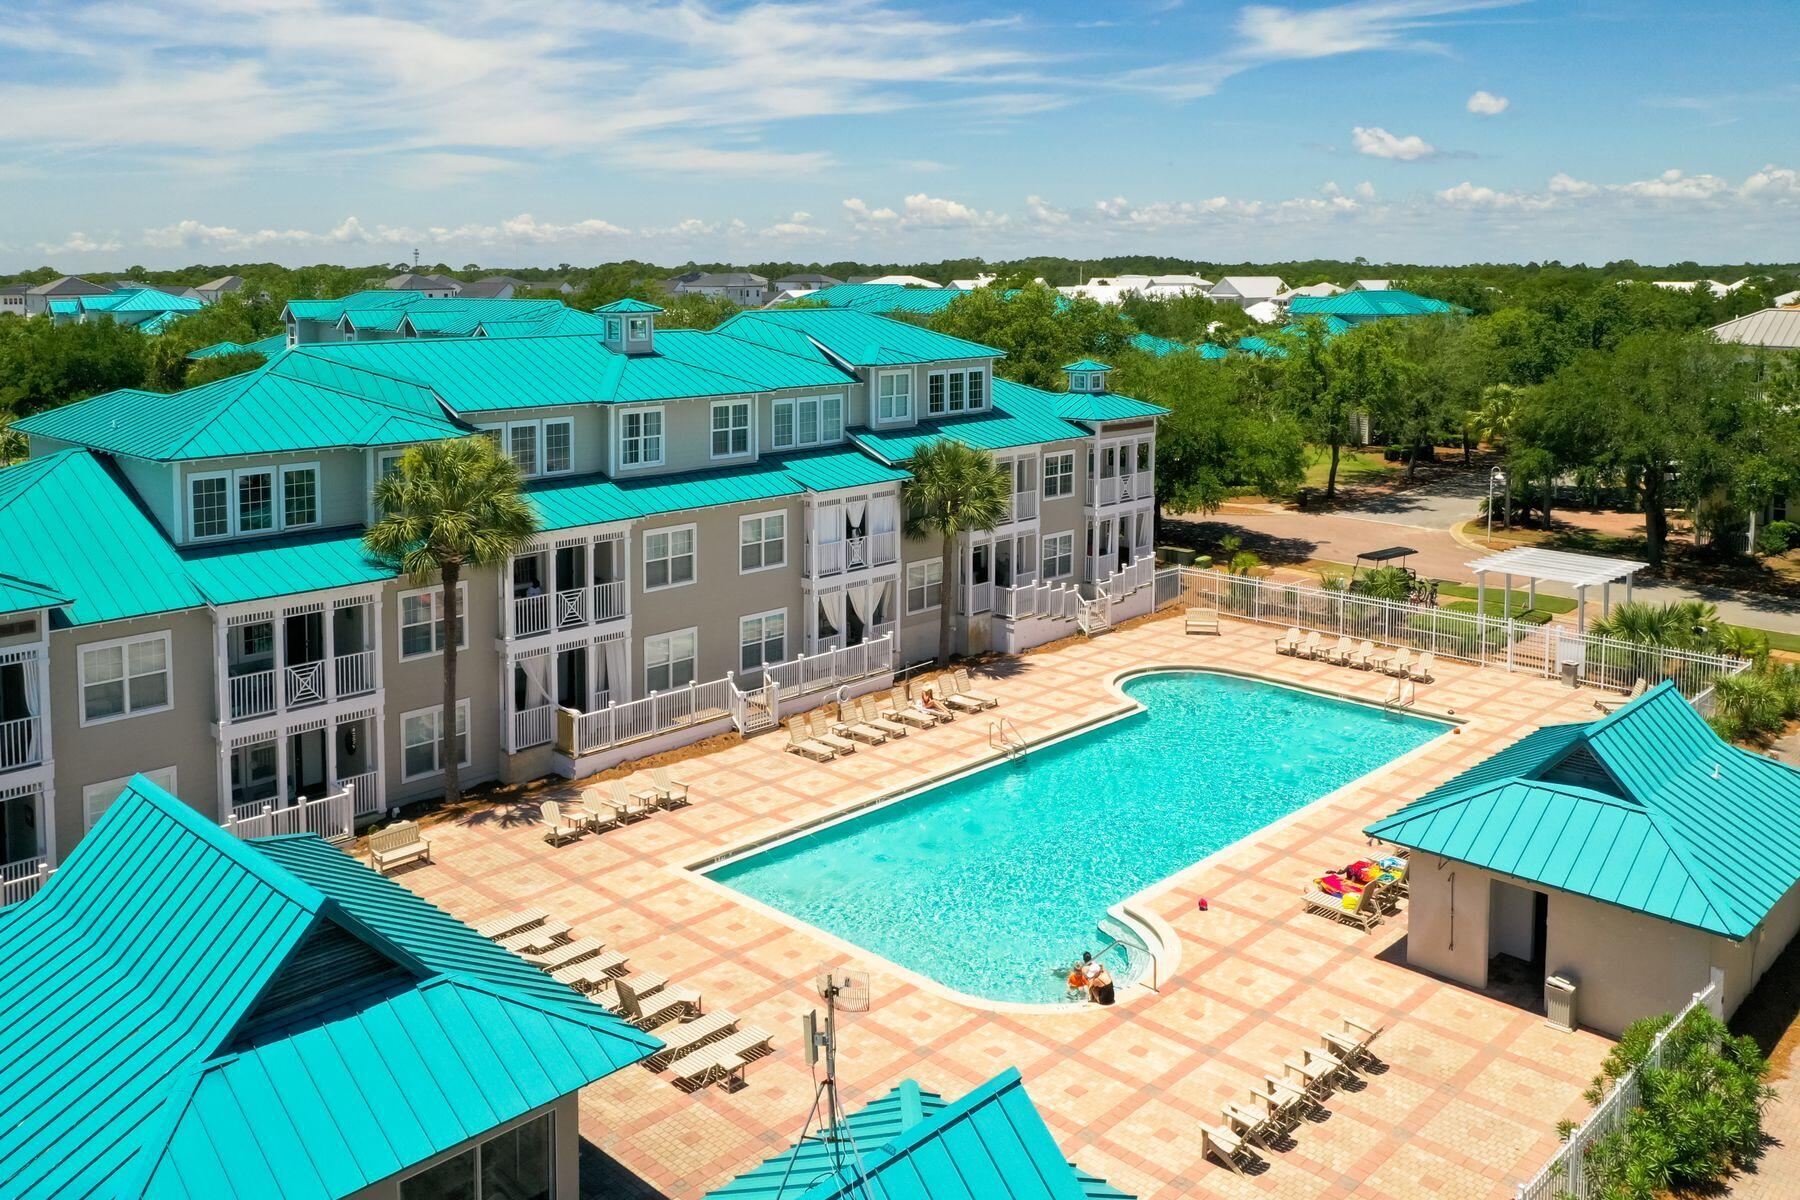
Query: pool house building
point(184, 592)
point(1638, 856)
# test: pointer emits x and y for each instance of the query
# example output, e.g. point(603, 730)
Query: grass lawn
point(1787, 642)
point(1531, 616)
point(1355, 467)
point(1518, 599)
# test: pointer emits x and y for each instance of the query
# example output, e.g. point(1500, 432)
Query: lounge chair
point(601, 812)
point(1310, 647)
point(644, 983)
point(591, 973)
point(915, 691)
point(559, 828)
point(801, 742)
point(1339, 651)
point(1363, 657)
point(398, 843)
point(566, 955)
point(537, 939)
point(691, 1035)
point(1225, 1146)
point(507, 924)
point(1607, 706)
point(1335, 1069)
point(1289, 642)
point(1427, 668)
point(667, 793)
point(1250, 1124)
point(1352, 1045)
point(902, 711)
point(948, 693)
point(821, 731)
point(1202, 620)
point(1363, 909)
point(1289, 1098)
point(850, 724)
point(871, 715)
point(1400, 665)
point(647, 1012)
point(965, 687)
point(722, 1061)
point(630, 805)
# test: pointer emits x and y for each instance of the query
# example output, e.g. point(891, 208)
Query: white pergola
point(1579, 571)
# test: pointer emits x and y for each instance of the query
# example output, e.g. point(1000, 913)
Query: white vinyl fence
point(1516, 646)
point(1566, 1172)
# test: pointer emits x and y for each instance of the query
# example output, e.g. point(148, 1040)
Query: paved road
point(1441, 504)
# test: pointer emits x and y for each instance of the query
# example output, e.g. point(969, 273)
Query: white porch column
point(507, 666)
point(221, 670)
point(1506, 598)
point(328, 617)
point(373, 636)
point(224, 781)
point(1480, 596)
point(1581, 609)
point(1606, 598)
point(281, 766)
point(378, 754)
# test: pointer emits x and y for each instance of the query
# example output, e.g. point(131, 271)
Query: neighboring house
point(1787, 299)
point(885, 298)
point(70, 287)
point(12, 298)
point(1358, 307)
point(1772, 328)
point(1312, 291)
point(505, 287)
point(1112, 289)
point(981, 280)
point(167, 289)
point(1640, 856)
point(1265, 312)
point(268, 347)
point(740, 287)
point(897, 281)
point(805, 282)
point(1711, 285)
point(213, 1017)
point(436, 287)
point(1245, 290)
point(184, 589)
point(147, 309)
point(217, 289)
point(487, 289)
point(1372, 285)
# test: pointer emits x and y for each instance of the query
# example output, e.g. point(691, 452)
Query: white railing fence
point(533, 726)
point(1516, 646)
point(21, 742)
point(355, 673)
point(331, 817)
point(252, 694)
point(365, 793)
point(531, 614)
point(830, 668)
point(21, 879)
point(305, 684)
point(609, 600)
point(1055, 601)
point(1566, 1172)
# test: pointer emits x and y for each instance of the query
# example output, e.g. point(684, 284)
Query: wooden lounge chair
point(821, 732)
point(722, 1061)
point(1427, 668)
point(1353, 1044)
point(644, 983)
point(900, 710)
point(947, 692)
point(965, 687)
point(1339, 651)
point(871, 715)
point(1310, 647)
point(1364, 909)
point(1289, 1098)
point(1202, 620)
point(397, 844)
point(630, 805)
point(507, 924)
point(565, 955)
point(1400, 665)
point(591, 973)
point(850, 724)
point(691, 1035)
point(1608, 706)
point(559, 827)
point(1289, 642)
point(801, 742)
point(647, 1012)
point(601, 812)
point(1225, 1146)
point(537, 939)
point(667, 792)
point(1363, 657)
point(1335, 1069)
point(915, 691)
point(1252, 1124)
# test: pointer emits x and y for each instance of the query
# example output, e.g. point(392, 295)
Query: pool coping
point(1161, 939)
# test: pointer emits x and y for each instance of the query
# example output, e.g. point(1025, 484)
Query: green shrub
point(1782, 535)
point(1384, 583)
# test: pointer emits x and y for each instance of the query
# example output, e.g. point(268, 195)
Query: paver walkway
point(1465, 1104)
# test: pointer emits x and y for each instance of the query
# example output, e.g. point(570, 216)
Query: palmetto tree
point(1677, 625)
point(448, 507)
point(954, 489)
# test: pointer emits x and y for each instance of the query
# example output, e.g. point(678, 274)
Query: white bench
point(398, 843)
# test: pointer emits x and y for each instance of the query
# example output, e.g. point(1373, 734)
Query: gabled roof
point(629, 304)
point(414, 282)
point(857, 338)
point(1250, 285)
point(267, 347)
point(1104, 406)
point(1778, 328)
point(1366, 305)
point(69, 285)
point(1086, 364)
point(913, 1145)
point(1020, 416)
point(261, 568)
point(225, 283)
point(17, 595)
point(880, 298)
point(1647, 808)
point(70, 526)
point(135, 300)
point(191, 1015)
point(486, 289)
point(290, 403)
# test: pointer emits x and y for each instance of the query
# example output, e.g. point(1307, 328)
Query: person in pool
point(1078, 984)
point(1102, 985)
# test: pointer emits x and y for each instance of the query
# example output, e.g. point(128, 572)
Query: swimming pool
point(990, 882)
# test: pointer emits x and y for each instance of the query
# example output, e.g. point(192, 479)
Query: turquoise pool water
point(992, 883)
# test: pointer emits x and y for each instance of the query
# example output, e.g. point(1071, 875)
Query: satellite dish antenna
point(842, 990)
point(847, 990)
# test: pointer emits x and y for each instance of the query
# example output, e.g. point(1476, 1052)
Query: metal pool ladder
point(1003, 735)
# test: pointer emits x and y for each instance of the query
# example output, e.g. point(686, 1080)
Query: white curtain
point(536, 670)
point(618, 670)
point(829, 523)
point(887, 514)
point(884, 603)
point(33, 702)
point(833, 605)
point(853, 512)
point(859, 603)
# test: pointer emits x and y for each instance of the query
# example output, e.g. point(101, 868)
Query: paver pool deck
point(1465, 1106)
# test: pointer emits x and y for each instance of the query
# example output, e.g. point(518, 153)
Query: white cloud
point(1330, 188)
point(1674, 185)
point(1377, 142)
point(863, 217)
point(1365, 190)
point(799, 225)
point(1044, 214)
point(920, 211)
point(81, 243)
point(1564, 184)
point(1486, 104)
point(1473, 195)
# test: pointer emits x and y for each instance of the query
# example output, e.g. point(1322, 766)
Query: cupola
point(630, 325)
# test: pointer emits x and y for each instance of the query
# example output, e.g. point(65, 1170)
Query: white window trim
point(1045, 557)
point(277, 474)
point(767, 566)
point(115, 786)
point(194, 535)
point(924, 565)
point(749, 450)
point(462, 592)
point(644, 557)
point(637, 329)
point(462, 709)
point(761, 616)
point(318, 497)
point(618, 439)
point(1044, 475)
point(694, 632)
point(81, 681)
point(902, 418)
point(794, 403)
point(544, 445)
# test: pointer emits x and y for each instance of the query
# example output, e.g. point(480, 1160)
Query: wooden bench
point(398, 843)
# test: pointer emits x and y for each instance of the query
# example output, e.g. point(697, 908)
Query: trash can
point(1559, 1002)
point(1177, 556)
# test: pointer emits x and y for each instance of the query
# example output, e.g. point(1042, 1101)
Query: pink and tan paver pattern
point(1464, 1103)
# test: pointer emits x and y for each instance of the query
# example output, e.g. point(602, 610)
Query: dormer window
point(1087, 376)
point(638, 328)
point(630, 326)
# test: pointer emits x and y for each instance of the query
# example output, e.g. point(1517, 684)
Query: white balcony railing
point(305, 684)
point(531, 615)
point(1024, 506)
point(827, 558)
point(609, 600)
point(1135, 485)
point(855, 553)
point(533, 726)
point(331, 817)
point(1103, 490)
point(20, 879)
point(355, 673)
point(21, 743)
point(365, 792)
point(660, 712)
point(571, 608)
point(251, 694)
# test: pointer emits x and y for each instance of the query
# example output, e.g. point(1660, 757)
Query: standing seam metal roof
point(859, 338)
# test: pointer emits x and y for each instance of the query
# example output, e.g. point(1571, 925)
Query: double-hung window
point(641, 437)
point(669, 660)
point(893, 397)
point(668, 557)
point(126, 678)
point(731, 429)
point(950, 392)
point(924, 585)
point(762, 542)
point(422, 619)
point(422, 740)
point(1059, 556)
point(762, 639)
point(1059, 475)
point(299, 497)
point(638, 328)
point(253, 500)
point(522, 445)
point(209, 505)
point(559, 446)
point(806, 421)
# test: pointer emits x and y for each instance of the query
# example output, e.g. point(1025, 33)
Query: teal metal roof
point(268, 347)
point(386, 320)
point(562, 321)
point(331, 310)
point(1359, 306)
point(1647, 808)
point(1261, 346)
point(283, 566)
point(17, 595)
point(65, 307)
point(288, 404)
point(1086, 364)
point(858, 338)
point(840, 467)
point(913, 1145)
point(628, 304)
point(1104, 406)
point(140, 300)
point(881, 298)
point(1020, 416)
point(182, 1058)
point(71, 526)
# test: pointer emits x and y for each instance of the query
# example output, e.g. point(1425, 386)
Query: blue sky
point(514, 132)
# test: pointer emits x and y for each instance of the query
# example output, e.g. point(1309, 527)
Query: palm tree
point(448, 507)
point(1677, 625)
point(954, 489)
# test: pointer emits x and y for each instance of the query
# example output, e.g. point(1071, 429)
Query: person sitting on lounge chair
point(930, 705)
point(1334, 884)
